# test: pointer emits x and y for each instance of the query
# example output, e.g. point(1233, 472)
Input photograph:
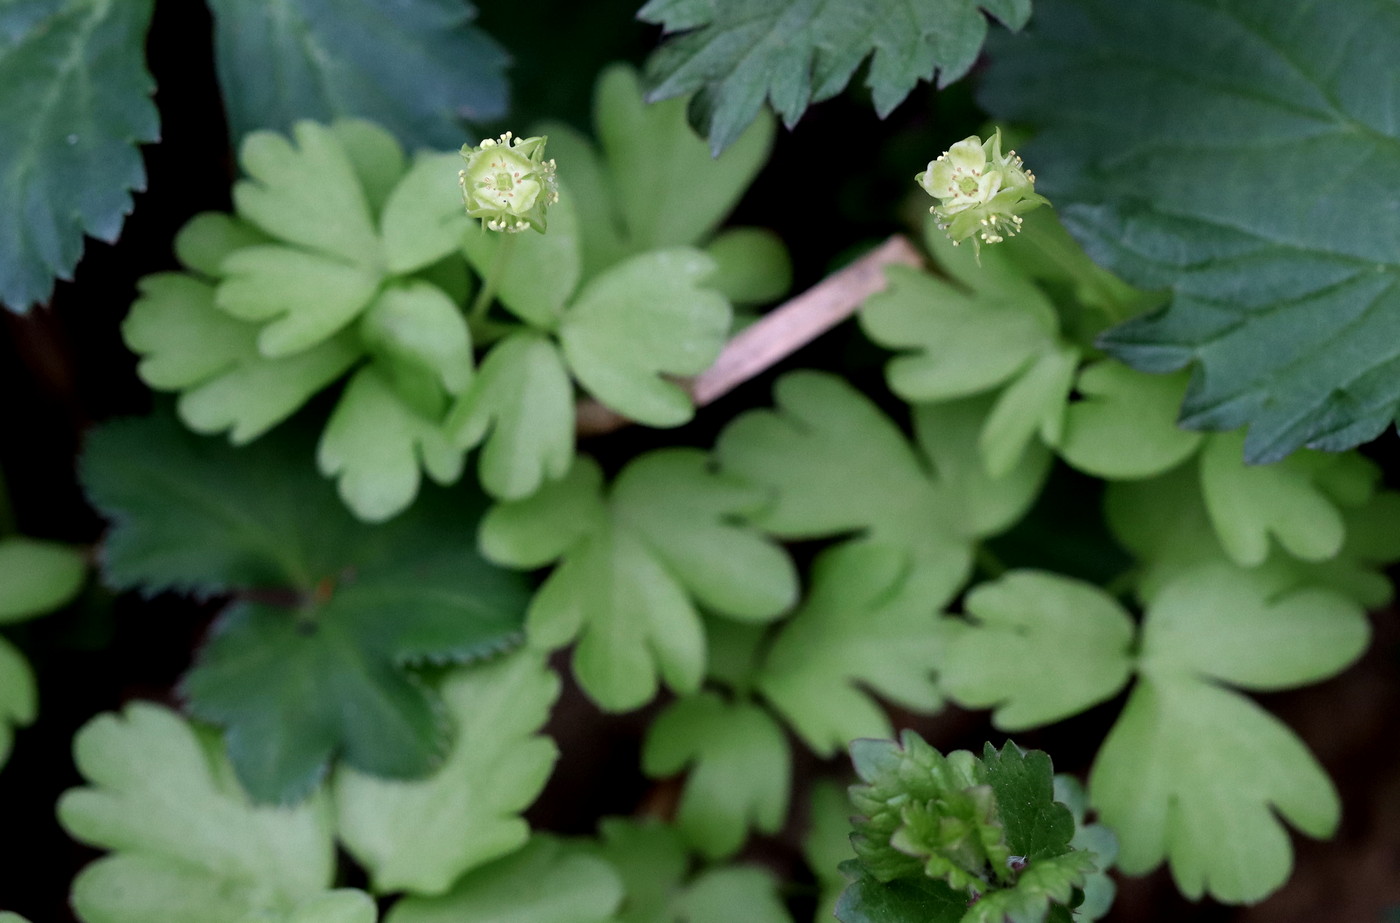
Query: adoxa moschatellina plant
point(508, 184)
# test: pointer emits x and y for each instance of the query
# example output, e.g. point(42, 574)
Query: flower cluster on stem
point(507, 183)
point(981, 192)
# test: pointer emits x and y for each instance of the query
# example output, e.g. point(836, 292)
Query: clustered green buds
point(507, 183)
point(922, 813)
point(981, 192)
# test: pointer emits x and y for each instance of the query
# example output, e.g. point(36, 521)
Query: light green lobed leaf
point(375, 446)
point(343, 905)
point(548, 881)
point(650, 182)
point(188, 847)
point(957, 342)
point(74, 105)
point(422, 219)
point(634, 567)
point(19, 697)
point(865, 626)
point(1164, 521)
point(422, 836)
point(419, 334)
point(654, 868)
point(1251, 504)
point(187, 344)
point(739, 766)
point(306, 191)
point(1124, 424)
point(640, 320)
point(1189, 758)
point(827, 843)
point(751, 265)
point(37, 576)
point(1257, 190)
point(521, 403)
point(1037, 647)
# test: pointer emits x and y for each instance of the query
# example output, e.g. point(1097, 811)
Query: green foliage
point(1099, 888)
point(188, 847)
point(739, 767)
point(635, 564)
point(334, 261)
point(1283, 278)
point(409, 835)
point(312, 659)
point(35, 577)
point(549, 881)
point(287, 60)
point(654, 869)
point(797, 52)
point(74, 103)
point(958, 838)
point(827, 844)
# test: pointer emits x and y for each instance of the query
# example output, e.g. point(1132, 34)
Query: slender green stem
point(499, 263)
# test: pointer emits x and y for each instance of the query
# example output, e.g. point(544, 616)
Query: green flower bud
point(507, 183)
point(981, 192)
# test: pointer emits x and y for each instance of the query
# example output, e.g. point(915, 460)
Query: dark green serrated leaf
point(192, 513)
point(1245, 156)
point(74, 103)
point(1037, 826)
point(296, 687)
point(793, 53)
point(908, 900)
point(417, 67)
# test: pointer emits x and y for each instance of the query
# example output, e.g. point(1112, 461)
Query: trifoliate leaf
point(1283, 276)
point(798, 52)
point(74, 103)
point(376, 157)
point(37, 576)
point(1257, 639)
point(1033, 404)
point(189, 345)
point(1039, 647)
point(208, 237)
point(1188, 759)
point(1124, 425)
point(867, 899)
point(651, 182)
point(188, 847)
point(634, 567)
point(958, 342)
point(548, 881)
point(375, 444)
point(300, 298)
point(863, 626)
point(19, 699)
point(534, 274)
point(422, 221)
point(522, 404)
point(1249, 504)
point(723, 895)
point(306, 191)
point(306, 59)
point(642, 319)
point(739, 767)
point(421, 836)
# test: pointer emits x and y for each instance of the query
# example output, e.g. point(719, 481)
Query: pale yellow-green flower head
point(507, 183)
point(981, 192)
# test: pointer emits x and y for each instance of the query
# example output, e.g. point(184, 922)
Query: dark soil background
point(63, 368)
